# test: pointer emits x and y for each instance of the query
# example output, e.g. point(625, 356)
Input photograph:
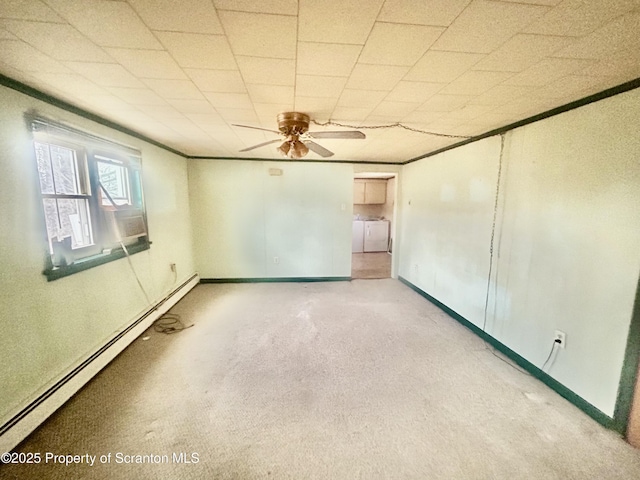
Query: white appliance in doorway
point(376, 236)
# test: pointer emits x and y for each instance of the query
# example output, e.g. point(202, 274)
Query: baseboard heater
point(16, 429)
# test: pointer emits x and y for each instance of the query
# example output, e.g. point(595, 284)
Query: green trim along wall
point(565, 251)
point(566, 242)
point(522, 362)
point(49, 328)
point(271, 220)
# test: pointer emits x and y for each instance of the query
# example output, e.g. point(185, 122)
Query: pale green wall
point(243, 217)
point(566, 248)
point(49, 327)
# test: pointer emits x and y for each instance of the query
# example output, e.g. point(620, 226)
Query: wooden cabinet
point(358, 192)
point(369, 192)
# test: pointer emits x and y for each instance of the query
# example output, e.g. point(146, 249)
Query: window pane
point(44, 167)
point(65, 174)
point(68, 218)
point(115, 179)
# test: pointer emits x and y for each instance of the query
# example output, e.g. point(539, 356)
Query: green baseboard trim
point(522, 362)
point(275, 280)
point(629, 373)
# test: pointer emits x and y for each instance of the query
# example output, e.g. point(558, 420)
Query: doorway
point(374, 196)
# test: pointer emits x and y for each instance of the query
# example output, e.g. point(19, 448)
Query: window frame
point(106, 246)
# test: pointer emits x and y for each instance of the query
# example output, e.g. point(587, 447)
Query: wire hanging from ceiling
point(392, 125)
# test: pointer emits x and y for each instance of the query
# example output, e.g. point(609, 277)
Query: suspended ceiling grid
point(182, 73)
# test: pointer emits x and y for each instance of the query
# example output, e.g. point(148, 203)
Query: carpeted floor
point(371, 265)
point(341, 380)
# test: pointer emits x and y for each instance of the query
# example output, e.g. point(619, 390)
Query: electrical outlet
point(559, 335)
point(172, 266)
point(276, 259)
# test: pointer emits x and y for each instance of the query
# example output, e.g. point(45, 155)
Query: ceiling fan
point(294, 126)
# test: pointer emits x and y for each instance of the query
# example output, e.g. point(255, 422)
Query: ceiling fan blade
point(261, 145)
point(343, 134)
point(319, 149)
point(256, 128)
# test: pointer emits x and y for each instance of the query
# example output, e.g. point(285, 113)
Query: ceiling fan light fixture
point(292, 147)
point(293, 125)
point(299, 148)
point(284, 148)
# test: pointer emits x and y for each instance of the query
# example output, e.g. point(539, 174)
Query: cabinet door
point(375, 192)
point(358, 192)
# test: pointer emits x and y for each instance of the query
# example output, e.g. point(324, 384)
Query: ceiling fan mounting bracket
point(293, 123)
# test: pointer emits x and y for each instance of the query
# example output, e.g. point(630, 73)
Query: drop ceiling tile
point(445, 103)
point(414, 91)
point(327, 58)
point(229, 81)
point(106, 74)
point(621, 33)
point(398, 44)
point(238, 115)
point(526, 107)
point(70, 82)
point(230, 100)
point(137, 96)
point(499, 95)
point(454, 127)
point(206, 119)
point(163, 113)
point(422, 12)
point(5, 35)
point(49, 37)
point(547, 70)
point(267, 71)
point(148, 63)
point(468, 112)
point(521, 52)
point(28, 10)
point(570, 85)
point(272, 36)
point(623, 63)
point(376, 77)
point(175, 89)
point(485, 25)
point(361, 98)
point(337, 21)
point(198, 17)
point(436, 66)
point(21, 56)
point(422, 118)
point(377, 120)
point(125, 29)
point(350, 114)
point(192, 106)
point(475, 82)
point(281, 7)
point(106, 102)
point(315, 105)
point(270, 111)
point(270, 93)
point(317, 86)
point(578, 17)
point(394, 109)
point(494, 120)
point(195, 50)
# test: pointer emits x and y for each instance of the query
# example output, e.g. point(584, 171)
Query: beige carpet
point(371, 265)
point(343, 380)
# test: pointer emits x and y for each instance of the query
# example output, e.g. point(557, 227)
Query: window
point(92, 198)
